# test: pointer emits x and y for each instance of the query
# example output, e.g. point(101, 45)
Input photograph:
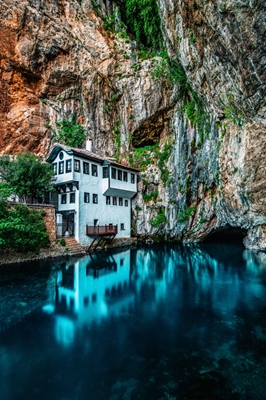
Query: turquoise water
point(155, 322)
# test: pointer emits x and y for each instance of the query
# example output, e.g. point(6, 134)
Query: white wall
point(86, 213)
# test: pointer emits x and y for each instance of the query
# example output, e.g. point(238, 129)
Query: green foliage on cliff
point(142, 17)
point(22, 229)
point(158, 219)
point(184, 215)
point(69, 132)
point(26, 175)
point(172, 73)
point(147, 155)
point(151, 196)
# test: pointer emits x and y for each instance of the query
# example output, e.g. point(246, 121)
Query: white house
point(93, 194)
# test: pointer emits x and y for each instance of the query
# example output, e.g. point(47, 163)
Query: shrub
point(62, 242)
point(69, 132)
point(184, 215)
point(23, 230)
point(159, 219)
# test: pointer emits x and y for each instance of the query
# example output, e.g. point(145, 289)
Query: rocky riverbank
point(55, 250)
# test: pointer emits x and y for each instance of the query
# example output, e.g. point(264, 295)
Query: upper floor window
point(105, 172)
point(125, 176)
point(61, 167)
point(119, 175)
point(86, 197)
point(76, 165)
point(72, 198)
point(126, 203)
point(68, 165)
point(86, 168)
point(61, 155)
point(120, 201)
point(63, 198)
point(95, 198)
point(94, 171)
point(132, 178)
point(54, 167)
point(108, 200)
point(113, 173)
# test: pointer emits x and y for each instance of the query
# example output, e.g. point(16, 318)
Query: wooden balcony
point(98, 230)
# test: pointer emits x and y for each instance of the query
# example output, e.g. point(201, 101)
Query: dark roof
point(83, 153)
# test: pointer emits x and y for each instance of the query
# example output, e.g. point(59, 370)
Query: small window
point(126, 203)
point(95, 198)
point(125, 176)
point(108, 200)
point(132, 178)
point(61, 167)
point(114, 201)
point(54, 168)
point(63, 198)
point(68, 165)
point(76, 165)
point(120, 201)
point(122, 227)
point(86, 197)
point(86, 168)
point(61, 155)
point(94, 170)
point(105, 172)
point(72, 198)
point(113, 173)
point(95, 222)
point(119, 175)
point(86, 301)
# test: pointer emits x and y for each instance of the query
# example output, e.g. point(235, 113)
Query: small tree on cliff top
point(26, 175)
point(69, 132)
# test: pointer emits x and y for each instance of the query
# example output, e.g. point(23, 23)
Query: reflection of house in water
point(90, 290)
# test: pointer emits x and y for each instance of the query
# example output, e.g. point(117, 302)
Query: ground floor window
point(120, 201)
point(108, 200)
point(95, 198)
point(114, 201)
point(126, 203)
point(122, 227)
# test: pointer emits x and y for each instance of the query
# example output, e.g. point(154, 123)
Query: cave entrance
point(227, 234)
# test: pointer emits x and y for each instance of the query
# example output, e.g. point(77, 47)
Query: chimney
point(89, 144)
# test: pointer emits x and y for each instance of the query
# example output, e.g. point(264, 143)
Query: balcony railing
point(101, 230)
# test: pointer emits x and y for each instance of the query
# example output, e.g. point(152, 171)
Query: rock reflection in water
point(155, 322)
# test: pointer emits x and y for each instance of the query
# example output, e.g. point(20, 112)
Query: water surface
point(157, 322)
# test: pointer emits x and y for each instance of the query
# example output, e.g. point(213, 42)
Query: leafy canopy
point(69, 132)
point(26, 175)
point(23, 229)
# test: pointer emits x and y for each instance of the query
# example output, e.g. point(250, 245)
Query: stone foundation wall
point(49, 219)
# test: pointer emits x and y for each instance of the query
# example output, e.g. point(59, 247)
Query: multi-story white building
point(93, 194)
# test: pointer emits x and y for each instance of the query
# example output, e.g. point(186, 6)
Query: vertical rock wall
point(57, 60)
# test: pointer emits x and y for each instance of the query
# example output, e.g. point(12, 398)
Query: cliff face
point(57, 60)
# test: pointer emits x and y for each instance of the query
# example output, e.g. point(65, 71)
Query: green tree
point(23, 229)
point(26, 175)
point(69, 132)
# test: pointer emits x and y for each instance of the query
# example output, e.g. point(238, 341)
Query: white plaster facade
point(92, 191)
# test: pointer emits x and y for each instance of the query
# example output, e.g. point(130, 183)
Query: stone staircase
point(73, 246)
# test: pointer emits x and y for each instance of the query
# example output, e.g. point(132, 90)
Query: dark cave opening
point(227, 234)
